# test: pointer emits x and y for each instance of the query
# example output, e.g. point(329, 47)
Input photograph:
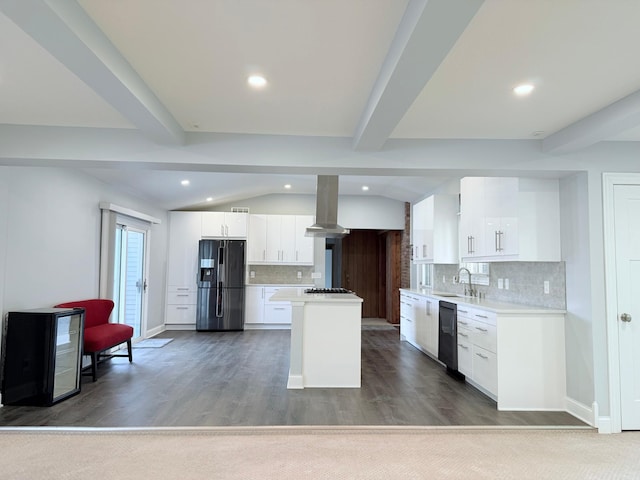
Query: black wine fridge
point(41, 356)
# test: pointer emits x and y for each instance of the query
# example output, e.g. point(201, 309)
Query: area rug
point(152, 343)
point(314, 453)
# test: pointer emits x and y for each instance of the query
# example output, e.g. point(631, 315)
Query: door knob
point(625, 317)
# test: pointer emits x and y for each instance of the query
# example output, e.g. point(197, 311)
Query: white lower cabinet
point(517, 358)
point(477, 342)
point(260, 312)
point(419, 322)
point(254, 305)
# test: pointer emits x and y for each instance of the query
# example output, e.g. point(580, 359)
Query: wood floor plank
point(240, 378)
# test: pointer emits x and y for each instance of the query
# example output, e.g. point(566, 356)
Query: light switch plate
point(501, 283)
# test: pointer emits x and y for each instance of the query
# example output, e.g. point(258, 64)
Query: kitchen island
point(325, 338)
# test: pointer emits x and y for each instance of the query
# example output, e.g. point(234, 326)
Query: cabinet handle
point(222, 230)
point(182, 308)
point(279, 308)
point(462, 323)
point(484, 357)
point(495, 240)
point(463, 335)
point(296, 255)
point(424, 251)
point(182, 288)
point(481, 316)
point(182, 295)
point(463, 311)
point(428, 308)
point(482, 329)
point(500, 233)
point(463, 346)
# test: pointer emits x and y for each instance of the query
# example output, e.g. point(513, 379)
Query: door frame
point(609, 182)
point(111, 216)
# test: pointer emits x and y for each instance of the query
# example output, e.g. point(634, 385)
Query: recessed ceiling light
point(365, 188)
point(524, 89)
point(209, 199)
point(287, 186)
point(257, 81)
point(185, 182)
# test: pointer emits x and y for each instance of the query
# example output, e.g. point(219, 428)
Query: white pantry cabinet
point(435, 229)
point(224, 224)
point(509, 219)
point(182, 269)
point(279, 239)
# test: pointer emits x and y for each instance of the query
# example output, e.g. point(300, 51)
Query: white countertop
point(298, 295)
point(484, 304)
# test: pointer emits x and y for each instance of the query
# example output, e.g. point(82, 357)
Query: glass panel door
point(129, 278)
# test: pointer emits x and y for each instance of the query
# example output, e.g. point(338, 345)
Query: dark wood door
point(363, 270)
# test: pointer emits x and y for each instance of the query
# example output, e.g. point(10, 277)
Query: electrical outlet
point(252, 274)
point(316, 274)
point(444, 279)
point(506, 284)
point(546, 287)
point(501, 283)
point(299, 275)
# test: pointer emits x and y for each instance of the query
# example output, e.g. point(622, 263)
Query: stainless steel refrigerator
point(220, 285)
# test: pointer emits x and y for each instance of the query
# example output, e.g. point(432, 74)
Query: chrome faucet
point(472, 292)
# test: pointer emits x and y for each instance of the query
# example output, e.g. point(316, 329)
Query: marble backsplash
point(279, 274)
point(526, 283)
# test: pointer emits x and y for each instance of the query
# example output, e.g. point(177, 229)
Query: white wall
point(50, 230)
point(354, 211)
point(574, 221)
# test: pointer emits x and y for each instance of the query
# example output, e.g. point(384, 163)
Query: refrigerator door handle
point(219, 302)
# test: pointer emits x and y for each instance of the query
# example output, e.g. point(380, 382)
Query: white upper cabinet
point(304, 244)
point(435, 229)
point(224, 224)
point(279, 239)
point(509, 219)
point(184, 235)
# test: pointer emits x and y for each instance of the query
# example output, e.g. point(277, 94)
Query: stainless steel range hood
point(327, 210)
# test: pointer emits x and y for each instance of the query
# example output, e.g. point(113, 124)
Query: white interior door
point(627, 246)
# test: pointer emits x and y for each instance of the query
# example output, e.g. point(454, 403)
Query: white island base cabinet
point(325, 339)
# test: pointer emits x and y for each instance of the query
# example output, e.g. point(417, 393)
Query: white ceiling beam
point(601, 125)
point(64, 29)
point(427, 32)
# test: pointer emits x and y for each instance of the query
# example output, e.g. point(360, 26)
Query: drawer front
point(181, 314)
point(484, 336)
point(484, 317)
point(181, 298)
point(485, 369)
point(408, 329)
point(277, 313)
point(465, 351)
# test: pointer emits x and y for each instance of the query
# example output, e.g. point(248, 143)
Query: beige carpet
point(318, 453)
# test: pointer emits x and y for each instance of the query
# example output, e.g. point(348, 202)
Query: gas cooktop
point(327, 290)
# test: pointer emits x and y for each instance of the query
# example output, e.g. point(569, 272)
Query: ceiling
point(365, 72)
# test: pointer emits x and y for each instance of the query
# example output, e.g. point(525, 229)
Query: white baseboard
point(176, 326)
point(267, 326)
point(583, 412)
point(155, 331)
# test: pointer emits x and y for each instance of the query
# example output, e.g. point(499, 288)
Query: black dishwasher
point(448, 337)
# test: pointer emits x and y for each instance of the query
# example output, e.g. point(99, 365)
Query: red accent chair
point(99, 334)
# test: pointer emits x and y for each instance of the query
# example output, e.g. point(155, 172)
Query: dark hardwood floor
point(239, 378)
